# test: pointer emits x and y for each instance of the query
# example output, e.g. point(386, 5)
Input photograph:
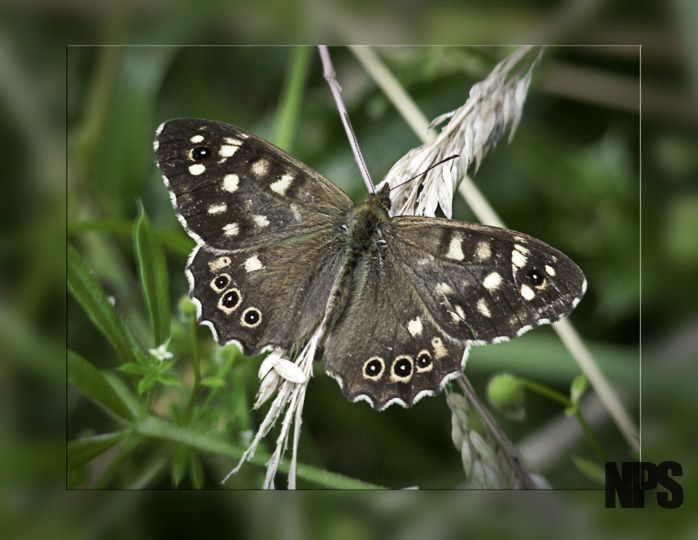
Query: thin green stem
point(590, 435)
point(547, 392)
point(574, 409)
point(197, 368)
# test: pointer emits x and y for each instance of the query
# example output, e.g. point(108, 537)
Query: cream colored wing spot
point(522, 249)
point(440, 350)
point(197, 169)
point(228, 150)
point(296, 212)
point(231, 229)
point(492, 281)
point(443, 289)
point(260, 221)
point(527, 292)
point(231, 182)
point(252, 264)
point(458, 315)
point(483, 251)
point(260, 167)
point(483, 308)
point(518, 259)
point(455, 248)
point(415, 327)
point(282, 185)
point(217, 264)
point(217, 208)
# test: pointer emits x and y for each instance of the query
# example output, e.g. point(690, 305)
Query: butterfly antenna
point(423, 173)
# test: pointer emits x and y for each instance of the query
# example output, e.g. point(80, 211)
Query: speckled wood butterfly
point(280, 249)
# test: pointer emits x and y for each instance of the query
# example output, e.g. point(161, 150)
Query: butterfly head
point(381, 199)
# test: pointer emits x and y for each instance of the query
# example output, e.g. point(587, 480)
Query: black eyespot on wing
point(221, 282)
point(423, 360)
point(252, 316)
point(200, 153)
point(402, 367)
point(231, 299)
point(536, 277)
point(373, 368)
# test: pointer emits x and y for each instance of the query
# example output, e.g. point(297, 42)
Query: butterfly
point(281, 250)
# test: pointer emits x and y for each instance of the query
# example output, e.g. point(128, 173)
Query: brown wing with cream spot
point(266, 227)
point(233, 190)
point(386, 347)
point(432, 287)
point(267, 296)
point(485, 284)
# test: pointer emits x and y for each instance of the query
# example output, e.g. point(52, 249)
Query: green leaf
point(88, 293)
point(82, 451)
point(133, 368)
point(89, 381)
point(168, 380)
point(292, 97)
point(213, 382)
point(196, 472)
point(147, 382)
point(179, 464)
point(176, 242)
point(135, 407)
point(152, 269)
point(578, 387)
point(590, 469)
point(77, 477)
